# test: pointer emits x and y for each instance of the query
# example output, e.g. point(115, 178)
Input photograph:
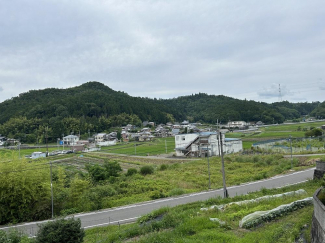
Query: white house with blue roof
point(205, 143)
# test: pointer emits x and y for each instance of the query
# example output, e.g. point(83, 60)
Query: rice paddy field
point(275, 132)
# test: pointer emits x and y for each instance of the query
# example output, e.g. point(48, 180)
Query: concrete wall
point(318, 221)
point(320, 170)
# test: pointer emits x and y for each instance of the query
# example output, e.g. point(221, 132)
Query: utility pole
point(51, 189)
point(135, 148)
point(63, 141)
point(291, 149)
point(225, 192)
point(218, 137)
point(200, 143)
point(47, 146)
point(19, 147)
point(208, 166)
point(166, 146)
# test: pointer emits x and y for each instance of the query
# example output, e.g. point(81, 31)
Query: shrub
point(13, 236)
point(239, 159)
point(112, 168)
point(97, 172)
point(269, 161)
point(163, 167)
point(157, 194)
point(61, 230)
point(256, 159)
point(146, 170)
point(176, 192)
point(228, 159)
point(131, 171)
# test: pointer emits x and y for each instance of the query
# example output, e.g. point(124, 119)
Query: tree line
point(94, 107)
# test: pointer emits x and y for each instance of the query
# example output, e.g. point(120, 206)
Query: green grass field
point(157, 146)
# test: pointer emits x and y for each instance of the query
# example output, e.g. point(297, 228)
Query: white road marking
point(113, 222)
point(165, 200)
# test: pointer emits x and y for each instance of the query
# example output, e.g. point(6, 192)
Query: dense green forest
point(94, 107)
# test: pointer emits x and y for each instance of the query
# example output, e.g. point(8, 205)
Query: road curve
point(130, 213)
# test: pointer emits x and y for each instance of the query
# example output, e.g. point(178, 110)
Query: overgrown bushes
point(131, 171)
point(13, 236)
point(61, 230)
point(146, 170)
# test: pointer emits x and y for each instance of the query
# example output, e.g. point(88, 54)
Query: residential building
point(100, 137)
point(201, 144)
point(2, 140)
point(70, 139)
point(239, 124)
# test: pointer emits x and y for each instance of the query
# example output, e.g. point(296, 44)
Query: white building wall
point(230, 146)
point(183, 140)
point(107, 143)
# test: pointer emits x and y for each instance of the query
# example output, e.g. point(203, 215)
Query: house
point(77, 147)
point(185, 122)
point(125, 136)
point(84, 142)
point(100, 137)
point(70, 139)
point(177, 126)
point(146, 129)
point(129, 127)
point(175, 131)
point(107, 143)
point(2, 140)
point(239, 124)
point(259, 123)
point(203, 143)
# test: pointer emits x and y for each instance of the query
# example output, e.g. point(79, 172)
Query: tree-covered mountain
point(95, 107)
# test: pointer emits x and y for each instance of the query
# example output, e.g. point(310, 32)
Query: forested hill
point(92, 99)
point(94, 106)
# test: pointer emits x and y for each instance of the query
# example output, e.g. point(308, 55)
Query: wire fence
point(294, 145)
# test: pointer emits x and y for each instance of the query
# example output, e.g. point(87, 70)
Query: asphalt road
point(130, 213)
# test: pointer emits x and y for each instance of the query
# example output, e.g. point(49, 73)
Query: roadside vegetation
point(187, 223)
point(57, 231)
point(90, 183)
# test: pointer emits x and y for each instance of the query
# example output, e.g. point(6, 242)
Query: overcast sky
point(166, 49)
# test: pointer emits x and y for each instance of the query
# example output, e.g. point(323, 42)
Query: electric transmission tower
point(280, 96)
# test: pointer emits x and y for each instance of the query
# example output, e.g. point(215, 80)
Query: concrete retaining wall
point(318, 221)
point(320, 170)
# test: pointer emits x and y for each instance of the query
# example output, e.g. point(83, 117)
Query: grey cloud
point(1, 89)
point(163, 48)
